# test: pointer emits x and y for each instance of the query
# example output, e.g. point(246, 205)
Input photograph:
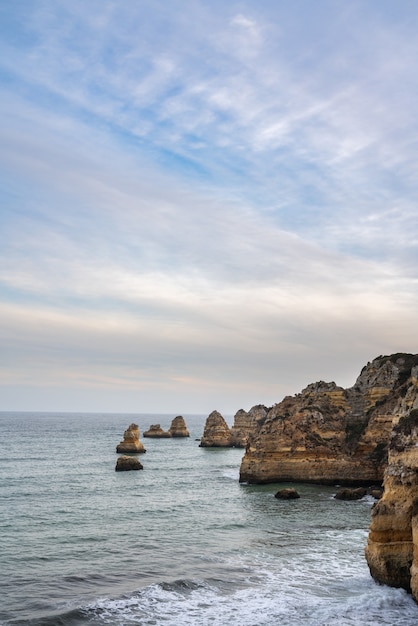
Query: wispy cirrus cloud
point(226, 193)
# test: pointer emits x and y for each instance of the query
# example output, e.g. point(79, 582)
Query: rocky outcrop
point(392, 547)
point(127, 464)
point(287, 494)
point(350, 493)
point(327, 434)
point(178, 427)
point(131, 442)
point(157, 432)
point(246, 423)
point(216, 433)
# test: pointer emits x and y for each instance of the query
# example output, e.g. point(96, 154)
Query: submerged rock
point(131, 442)
point(216, 433)
point(348, 493)
point(287, 494)
point(178, 427)
point(128, 463)
point(156, 431)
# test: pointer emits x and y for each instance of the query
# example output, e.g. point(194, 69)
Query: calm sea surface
point(179, 543)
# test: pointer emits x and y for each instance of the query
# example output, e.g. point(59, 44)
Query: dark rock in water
point(287, 494)
point(348, 493)
point(128, 463)
point(178, 427)
point(131, 441)
point(157, 432)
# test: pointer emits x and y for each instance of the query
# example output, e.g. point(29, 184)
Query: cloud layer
point(203, 209)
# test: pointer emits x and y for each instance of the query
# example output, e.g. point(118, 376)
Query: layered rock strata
point(157, 432)
point(178, 427)
point(327, 434)
point(246, 424)
point(131, 442)
point(216, 433)
point(392, 547)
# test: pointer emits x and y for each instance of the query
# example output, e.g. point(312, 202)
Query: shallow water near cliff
point(181, 542)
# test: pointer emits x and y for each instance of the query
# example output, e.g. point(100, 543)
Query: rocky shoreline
point(361, 436)
point(392, 546)
point(327, 434)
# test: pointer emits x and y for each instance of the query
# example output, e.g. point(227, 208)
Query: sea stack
point(157, 432)
point(178, 427)
point(130, 441)
point(216, 433)
point(246, 423)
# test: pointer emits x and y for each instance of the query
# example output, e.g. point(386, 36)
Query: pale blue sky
point(204, 204)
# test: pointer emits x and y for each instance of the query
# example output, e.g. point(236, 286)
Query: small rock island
point(178, 427)
point(216, 433)
point(331, 435)
point(131, 442)
point(155, 431)
point(127, 464)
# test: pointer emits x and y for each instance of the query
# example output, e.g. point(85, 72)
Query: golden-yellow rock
point(392, 546)
point(131, 442)
point(178, 427)
point(216, 433)
point(155, 431)
point(328, 434)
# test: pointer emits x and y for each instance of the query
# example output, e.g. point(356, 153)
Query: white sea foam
point(265, 605)
point(231, 473)
point(181, 543)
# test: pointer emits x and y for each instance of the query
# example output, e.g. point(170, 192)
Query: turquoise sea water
point(180, 542)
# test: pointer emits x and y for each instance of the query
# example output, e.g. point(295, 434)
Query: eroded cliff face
point(246, 424)
point(131, 442)
point(392, 547)
point(216, 433)
point(328, 434)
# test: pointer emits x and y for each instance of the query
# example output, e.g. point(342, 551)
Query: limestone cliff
point(216, 433)
point(246, 424)
point(178, 427)
point(328, 434)
point(392, 547)
point(131, 442)
point(155, 431)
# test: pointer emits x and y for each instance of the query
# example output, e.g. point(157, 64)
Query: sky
point(203, 204)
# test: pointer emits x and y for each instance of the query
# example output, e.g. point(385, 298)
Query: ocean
point(179, 543)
